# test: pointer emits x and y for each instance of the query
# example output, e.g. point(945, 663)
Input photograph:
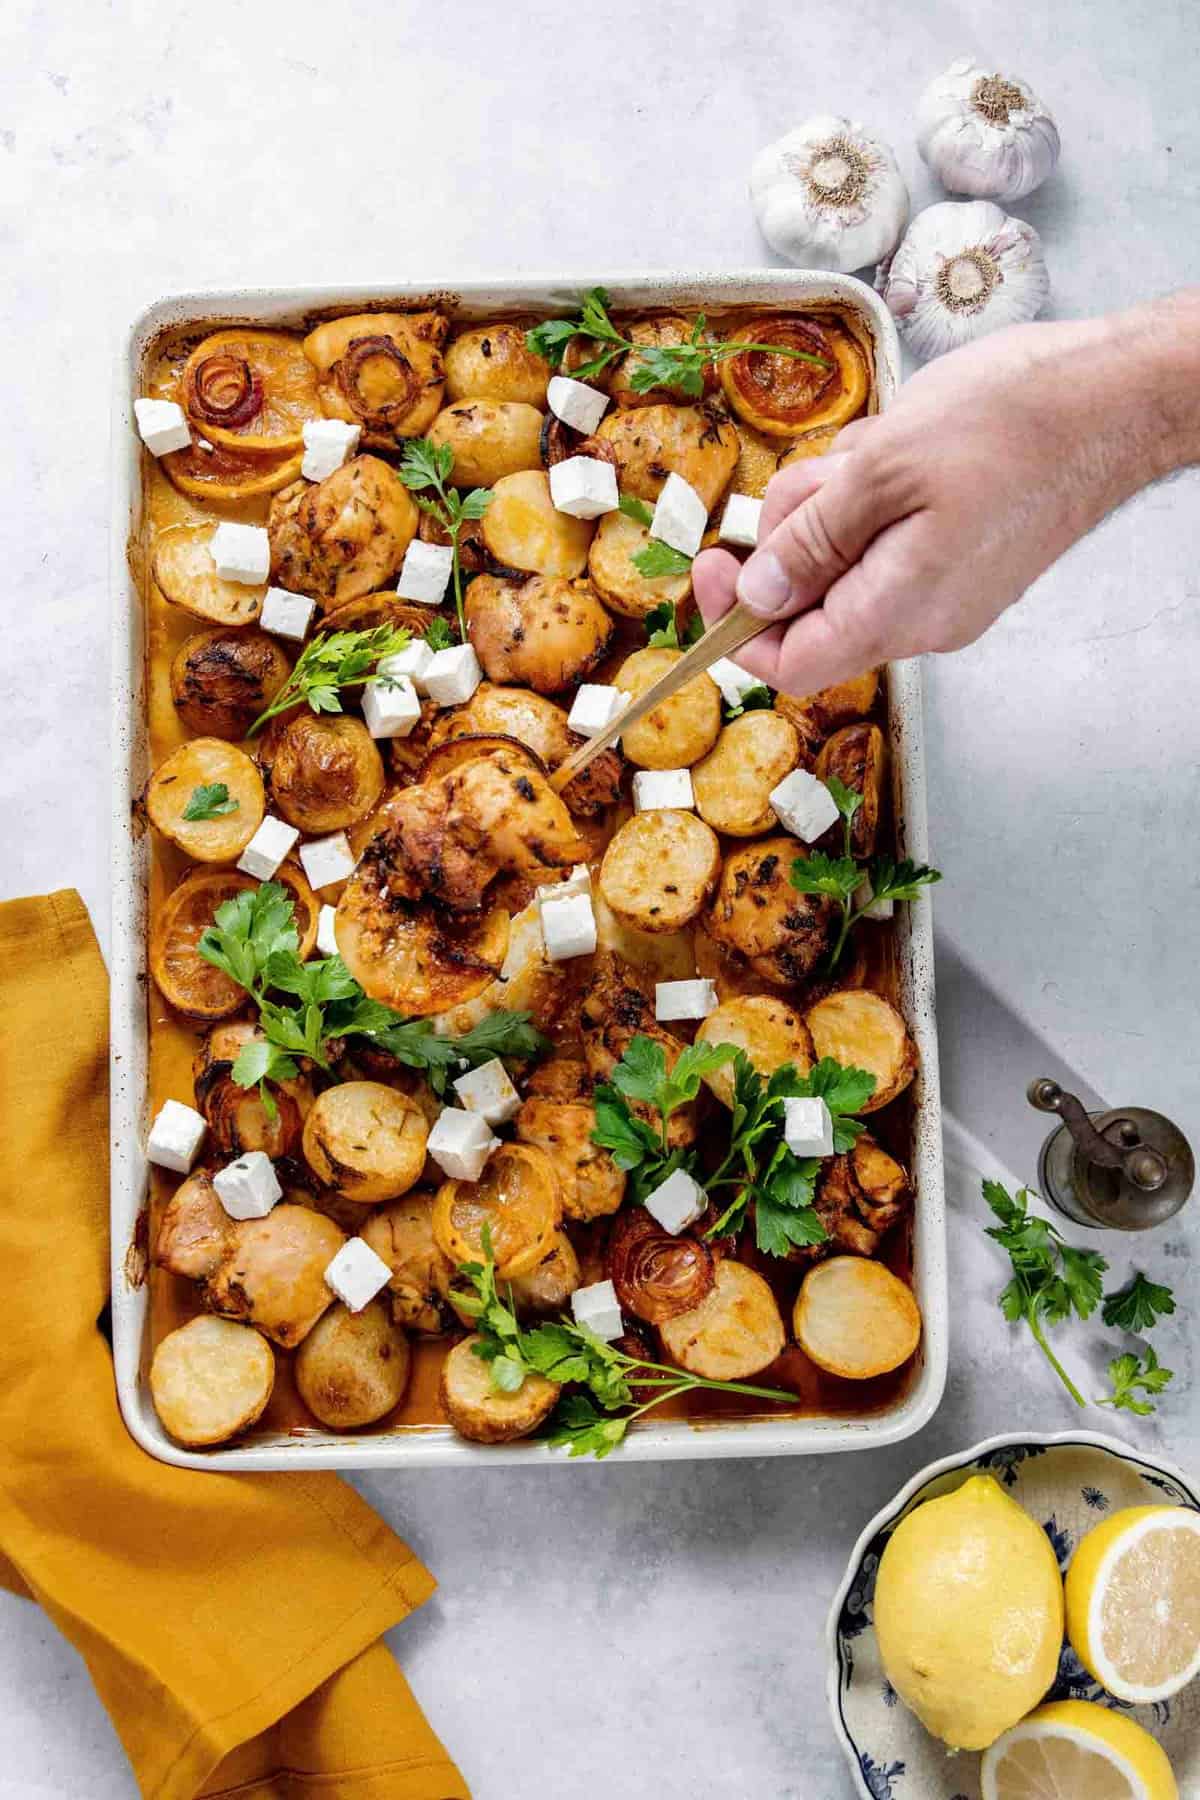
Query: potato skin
point(485, 1417)
point(352, 1368)
point(784, 935)
point(763, 1026)
point(613, 574)
point(546, 633)
point(652, 442)
point(863, 1030)
point(490, 439)
point(734, 1333)
point(221, 680)
point(733, 782)
point(660, 869)
point(210, 1379)
point(493, 362)
point(523, 529)
point(324, 772)
point(365, 1141)
point(680, 731)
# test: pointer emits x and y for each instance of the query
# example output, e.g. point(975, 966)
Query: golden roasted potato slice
point(546, 633)
point(346, 536)
point(353, 1367)
point(547, 1289)
point(733, 782)
point(519, 1200)
point(382, 371)
point(187, 980)
point(857, 756)
point(512, 713)
point(784, 935)
point(652, 442)
point(862, 1030)
point(523, 529)
point(765, 1028)
point(175, 785)
point(591, 1183)
point(238, 1118)
point(209, 1380)
point(477, 1412)
point(613, 1013)
point(490, 439)
point(660, 869)
point(735, 1332)
point(783, 396)
point(250, 390)
point(221, 680)
point(669, 330)
point(402, 1236)
point(218, 475)
point(493, 362)
point(680, 731)
point(365, 1141)
point(324, 771)
point(660, 955)
point(187, 578)
point(618, 580)
point(855, 1318)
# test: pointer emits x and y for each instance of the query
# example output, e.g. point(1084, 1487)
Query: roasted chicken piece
point(542, 727)
point(269, 1272)
point(548, 1288)
point(859, 1197)
point(344, 537)
point(558, 1116)
point(614, 1012)
point(816, 715)
point(402, 1236)
point(383, 371)
point(784, 935)
point(546, 633)
point(528, 982)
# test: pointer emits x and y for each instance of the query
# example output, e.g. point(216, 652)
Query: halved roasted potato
point(784, 935)
point(862, 1030)
point(210, 1379)
point(187, 980)
point(591, 1183)
point(857, 756)
point(816, 715)
point(217, 474)
point(765, 1028)
point(238, 1117)
point(735, 1331)
point(402, 1235)
point(613, 1013)
point(681, 730)
point(353, 1367)
point(523, 529)
point(174, 787)
point(187, 578)
point(493, 362)
point(249, 389)
point(668, 329)
point(855, 1318)
point(490, 439)
point(517, 1198)
point(221, 680)
point(478, 1412)
point(783, 396)
point(732, 784)
point(344, 537)
point(547, 633)
point(616, 577)
point(660, 869)
point(547, 1289)
point(652, 442)
point(365, 1141)
point(382, 371)
point(324, 771)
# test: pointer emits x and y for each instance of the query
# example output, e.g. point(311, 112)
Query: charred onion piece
point(657, 1275)
point(223, 390)
point(785, 395)
point(381, 396)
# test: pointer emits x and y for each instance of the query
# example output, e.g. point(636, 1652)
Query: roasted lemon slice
point(223, 475)
point(1133, 1602)
point(517, 1197)
point(1074, 1750)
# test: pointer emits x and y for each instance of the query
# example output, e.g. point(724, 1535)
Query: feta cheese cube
point(597, 1309)
point(460, 1143)
point(733, 682)
point(327, 444)
point(595, 707)
point(676, 1202)
point(568, 927)
point(684, 999)
point(680, 516)
point(287, 615)
point(356, 1274)
point(408, 664)
point(575, 403)
point(808, 1127)
point(657, 788)
point(328, 859)
point(866, 903)
point(584, 486)
point(803, 805)
point(391, 706)
point(241, 552)
point(488, 1091)
point(267, 848)
point(175, 1137)
point(424, 572)
point(453, 675)
point(739, 521)
point(161, 425)
point(326, 940)
point(249, 1187)
point(579, 881)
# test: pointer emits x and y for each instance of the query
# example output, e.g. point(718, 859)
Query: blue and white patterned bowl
point(1068, 1483)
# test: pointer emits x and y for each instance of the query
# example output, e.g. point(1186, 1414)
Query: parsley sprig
point(425, 470)
point(639, 1148)
point(840, 877)
point(329, 662)
point(210, 800)
point(1050, 1279)
point(588, 1423)
point(1139, 1305)
point(677, 366)
point(1128, 1373)
point(756, 699)
point(663, 630)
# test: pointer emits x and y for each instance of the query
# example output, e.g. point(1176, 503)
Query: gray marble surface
point(642, 1632)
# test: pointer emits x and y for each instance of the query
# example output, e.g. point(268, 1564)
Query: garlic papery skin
point(962, 269)
point(985, 134)
point(828, 196)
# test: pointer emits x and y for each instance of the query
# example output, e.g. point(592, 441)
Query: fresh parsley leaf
point(1139, 1305)
point(330, 662)
point(260, 1061)
point(1128, 1374)
point(439, 635)
point(756, 699)
point(835, 876)
point(426, 466)
point(583, 1430)
point(633, 508)
point(550, 339)
point(660, 559)
point(847, 799)
point(1050, 1279)
point(247, 930)
point(892, 880)
point(210, 801)
point(415, 1043)
point(663, 630)
point(475, 504)
point(628, 1139)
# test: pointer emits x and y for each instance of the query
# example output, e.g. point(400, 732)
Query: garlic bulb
point(984, 134)
point(964, 268)
point(827, 196)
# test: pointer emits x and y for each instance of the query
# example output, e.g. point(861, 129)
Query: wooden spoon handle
point(729, 633)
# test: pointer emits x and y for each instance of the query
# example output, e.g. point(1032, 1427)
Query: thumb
point(813, 545)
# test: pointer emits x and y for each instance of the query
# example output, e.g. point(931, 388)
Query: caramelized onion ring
point(784, 386)
point(657, 1275)
point(377, 415)
point(223, 390)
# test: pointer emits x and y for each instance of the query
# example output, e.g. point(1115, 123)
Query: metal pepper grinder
point(1125, 1170)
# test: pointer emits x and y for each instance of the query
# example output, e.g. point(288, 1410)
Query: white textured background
point(640, 1633)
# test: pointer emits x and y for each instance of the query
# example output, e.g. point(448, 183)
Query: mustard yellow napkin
point(230, 1622)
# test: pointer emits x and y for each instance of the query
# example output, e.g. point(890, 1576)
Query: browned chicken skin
point(344, 537)
point(615, 1011)
point(859, 1197)
point(545, 632)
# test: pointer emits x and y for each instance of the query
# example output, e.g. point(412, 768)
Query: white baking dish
point(425, 1446)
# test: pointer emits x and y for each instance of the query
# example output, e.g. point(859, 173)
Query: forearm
point(1152, 353)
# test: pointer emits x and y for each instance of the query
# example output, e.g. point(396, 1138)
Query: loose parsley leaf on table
point(428, 466)
point(210, 801)
point(1050, 1279)
point(1138, 1305)
point(1129, 1373)
point(331, 661)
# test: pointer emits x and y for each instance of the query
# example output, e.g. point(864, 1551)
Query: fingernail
point(763, 584)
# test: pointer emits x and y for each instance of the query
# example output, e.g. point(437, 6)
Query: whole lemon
point(969, 1613)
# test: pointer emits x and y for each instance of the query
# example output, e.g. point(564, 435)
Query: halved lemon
point(1133, 1602)
point(1075, 1750)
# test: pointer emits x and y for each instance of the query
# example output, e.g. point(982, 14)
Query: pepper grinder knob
point(1127, 1170)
